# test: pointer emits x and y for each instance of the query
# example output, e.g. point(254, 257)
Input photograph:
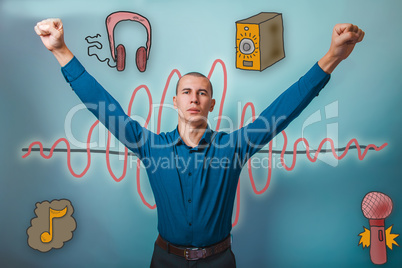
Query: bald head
point(195, 74)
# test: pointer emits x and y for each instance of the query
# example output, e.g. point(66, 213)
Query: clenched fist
point(52, 34)
point(344, 38)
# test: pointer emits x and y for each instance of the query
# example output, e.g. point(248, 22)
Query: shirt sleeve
point(281, 112)
point(108, 111)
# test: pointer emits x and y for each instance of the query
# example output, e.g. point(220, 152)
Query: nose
point(194, 98)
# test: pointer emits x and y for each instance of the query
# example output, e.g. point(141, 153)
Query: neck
point(191, 133)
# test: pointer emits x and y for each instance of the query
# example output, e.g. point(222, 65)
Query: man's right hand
point(52, 34)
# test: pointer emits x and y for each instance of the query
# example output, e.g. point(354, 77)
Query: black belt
point(192, 253)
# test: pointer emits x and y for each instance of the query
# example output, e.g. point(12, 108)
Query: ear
point(174, 102)
point(212, 105)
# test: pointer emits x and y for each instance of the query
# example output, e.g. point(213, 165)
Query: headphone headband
point(113, 19)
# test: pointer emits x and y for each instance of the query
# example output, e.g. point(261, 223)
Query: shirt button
point(189, 200)
point(190, 174)
point(190, 224)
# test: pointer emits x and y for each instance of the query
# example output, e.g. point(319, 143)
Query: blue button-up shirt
point(194, 188)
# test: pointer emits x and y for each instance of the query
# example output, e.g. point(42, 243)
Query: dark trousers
point(162, 259)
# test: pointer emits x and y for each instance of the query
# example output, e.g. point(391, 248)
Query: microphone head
point(376, 205)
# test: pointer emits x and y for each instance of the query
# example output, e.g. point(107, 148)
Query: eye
point(202, 93)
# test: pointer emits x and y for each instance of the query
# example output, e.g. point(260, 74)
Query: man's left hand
point(344, 38)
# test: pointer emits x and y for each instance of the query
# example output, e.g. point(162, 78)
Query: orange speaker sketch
point(259, 41)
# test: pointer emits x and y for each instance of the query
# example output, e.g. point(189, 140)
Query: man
point(195, 194)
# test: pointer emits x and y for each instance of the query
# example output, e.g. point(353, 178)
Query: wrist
point(63, 55)
point(329, 62)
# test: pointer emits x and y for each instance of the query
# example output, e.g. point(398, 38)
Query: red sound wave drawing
point(249, 104)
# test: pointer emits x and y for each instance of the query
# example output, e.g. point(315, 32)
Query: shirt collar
point(206, 137)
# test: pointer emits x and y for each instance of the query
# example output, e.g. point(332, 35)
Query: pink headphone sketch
point(119, 53)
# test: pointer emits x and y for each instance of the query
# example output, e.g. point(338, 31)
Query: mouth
point(193, 111)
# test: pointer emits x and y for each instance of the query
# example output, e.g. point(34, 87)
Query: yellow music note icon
point(46, 237)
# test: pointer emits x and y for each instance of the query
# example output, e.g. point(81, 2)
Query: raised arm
point(92, 94)
point(277, 116)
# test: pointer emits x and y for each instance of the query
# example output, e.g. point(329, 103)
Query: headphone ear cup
point(141, 59)
point(120, 58)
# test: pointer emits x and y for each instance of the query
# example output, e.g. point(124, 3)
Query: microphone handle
point(378, 251)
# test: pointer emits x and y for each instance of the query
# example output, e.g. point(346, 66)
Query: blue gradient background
point(309, 217)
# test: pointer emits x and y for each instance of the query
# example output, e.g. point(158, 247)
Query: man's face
point(194, 99)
